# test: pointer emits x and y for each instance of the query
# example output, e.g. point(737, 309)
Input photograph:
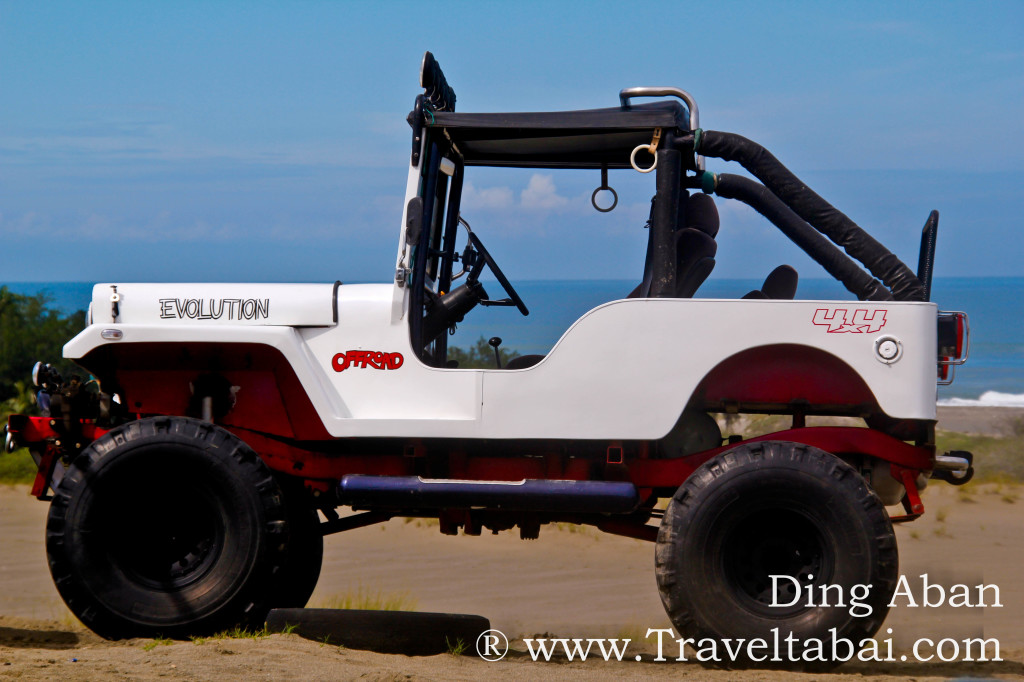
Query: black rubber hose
point(824, 217)
point(757, 196)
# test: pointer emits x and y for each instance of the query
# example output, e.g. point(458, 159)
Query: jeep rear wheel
point(166, 526)
point(776, 509)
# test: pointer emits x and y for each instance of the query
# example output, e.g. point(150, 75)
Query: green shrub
point(17, 467)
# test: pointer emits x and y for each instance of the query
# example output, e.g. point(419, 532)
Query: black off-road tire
point(411, 633)
point(775, 508)
point(301, 570)
point(167, 526)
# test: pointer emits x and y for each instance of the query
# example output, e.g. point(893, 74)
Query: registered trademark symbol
point(492, 645)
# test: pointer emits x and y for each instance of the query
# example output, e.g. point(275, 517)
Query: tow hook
point(955, 467)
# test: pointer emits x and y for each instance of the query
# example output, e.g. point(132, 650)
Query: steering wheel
point(513, 297)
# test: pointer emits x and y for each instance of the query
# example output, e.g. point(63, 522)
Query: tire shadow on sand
point(21, 638)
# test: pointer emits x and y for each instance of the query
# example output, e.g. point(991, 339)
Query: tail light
point(954, 335)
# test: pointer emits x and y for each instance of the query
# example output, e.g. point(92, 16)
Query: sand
point(569, 584)
point(985, 421)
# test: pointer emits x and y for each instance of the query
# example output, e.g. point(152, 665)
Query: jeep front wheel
point(776, 509)
point(296, 581)
point(166, 526)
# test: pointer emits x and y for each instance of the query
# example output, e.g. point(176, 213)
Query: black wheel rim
point(166, 536)
point(775, 542)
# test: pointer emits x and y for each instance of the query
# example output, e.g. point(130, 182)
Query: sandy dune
point(571, 584)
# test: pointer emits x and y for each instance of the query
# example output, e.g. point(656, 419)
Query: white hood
point(292, 305)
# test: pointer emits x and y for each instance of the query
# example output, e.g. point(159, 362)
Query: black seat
point(695, 244)
point(695, 258)
point(695, 247)
point(702, 214)
point(780, 284)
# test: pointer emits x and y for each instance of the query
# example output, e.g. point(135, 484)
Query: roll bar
point(691, 104)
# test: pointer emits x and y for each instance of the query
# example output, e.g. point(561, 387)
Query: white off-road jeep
point(235, 420)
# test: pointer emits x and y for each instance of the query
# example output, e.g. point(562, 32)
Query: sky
point(267, 141)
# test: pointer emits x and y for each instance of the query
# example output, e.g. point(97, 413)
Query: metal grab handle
point(691, 104)
point(626, 94)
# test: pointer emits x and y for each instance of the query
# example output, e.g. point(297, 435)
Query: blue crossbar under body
point(413, 492)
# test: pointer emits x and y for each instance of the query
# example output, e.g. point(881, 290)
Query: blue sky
point(266, 141)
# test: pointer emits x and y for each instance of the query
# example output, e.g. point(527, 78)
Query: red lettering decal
point(833, 319)
point(869, 323)
point(843, 321)
point(340, 362)
point(367, 358)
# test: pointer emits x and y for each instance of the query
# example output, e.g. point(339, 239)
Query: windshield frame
point(434, 258)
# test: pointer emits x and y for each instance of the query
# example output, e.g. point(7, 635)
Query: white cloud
point(541, 194)
point(486, 198)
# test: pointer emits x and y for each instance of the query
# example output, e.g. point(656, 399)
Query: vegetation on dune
point(17, 467)
point(456, 648)
point(158, 641)
point(996, 459)
point(30, 330)
point(370, 599)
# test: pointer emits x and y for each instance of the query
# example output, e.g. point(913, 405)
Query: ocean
point(993, 375)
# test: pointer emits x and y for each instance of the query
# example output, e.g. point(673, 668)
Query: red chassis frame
point(321, 471)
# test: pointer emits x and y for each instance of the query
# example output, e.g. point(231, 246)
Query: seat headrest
point(693, 244)
point(702, 214)
point(781, 283)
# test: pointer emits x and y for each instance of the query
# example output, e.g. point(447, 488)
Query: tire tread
point(762, 455)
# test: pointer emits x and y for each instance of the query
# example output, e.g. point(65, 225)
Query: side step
point(413, 492)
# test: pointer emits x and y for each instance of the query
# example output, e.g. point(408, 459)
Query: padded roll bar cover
point(824, 217)
point(834, 261)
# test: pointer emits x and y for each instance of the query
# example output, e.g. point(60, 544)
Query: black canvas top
point(588, 138)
